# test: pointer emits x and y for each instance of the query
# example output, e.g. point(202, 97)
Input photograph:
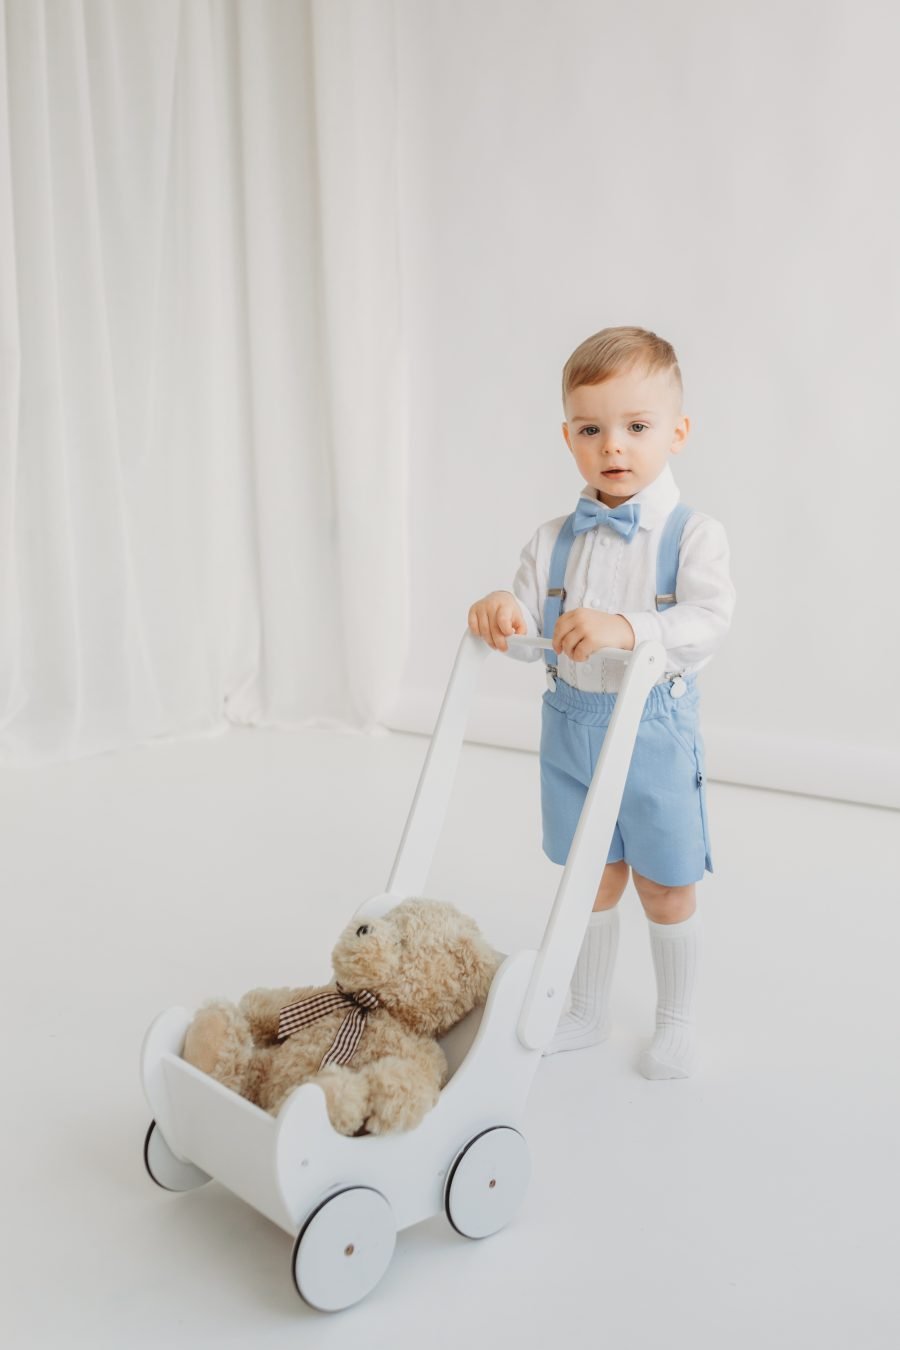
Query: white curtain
point(202, 456)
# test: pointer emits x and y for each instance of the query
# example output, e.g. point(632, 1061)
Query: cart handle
point(588, 851)
point(614, 653)
point(577, 888)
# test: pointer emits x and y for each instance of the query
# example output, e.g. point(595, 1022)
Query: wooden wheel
point(487, 1182)
point(344, 1248)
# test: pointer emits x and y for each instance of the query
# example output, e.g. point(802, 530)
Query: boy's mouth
point(614, 473)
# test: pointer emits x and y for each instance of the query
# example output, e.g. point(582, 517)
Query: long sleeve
point(694, 626)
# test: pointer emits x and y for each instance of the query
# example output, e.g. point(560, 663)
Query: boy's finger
point(484, 627)
point(499, 641)
point(513, 621)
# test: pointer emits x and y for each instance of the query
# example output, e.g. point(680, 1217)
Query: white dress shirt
point(606, 573)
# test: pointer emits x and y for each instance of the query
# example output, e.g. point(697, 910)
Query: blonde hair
point(616, 349)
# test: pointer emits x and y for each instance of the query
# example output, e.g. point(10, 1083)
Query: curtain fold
point(202, 465)
point(356, 102)
point(12, 696)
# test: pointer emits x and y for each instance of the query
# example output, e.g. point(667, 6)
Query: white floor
point(755, 1205)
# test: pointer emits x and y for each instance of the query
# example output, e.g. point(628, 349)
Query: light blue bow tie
point(624, 519)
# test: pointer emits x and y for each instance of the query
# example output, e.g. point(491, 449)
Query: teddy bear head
point(427, 963)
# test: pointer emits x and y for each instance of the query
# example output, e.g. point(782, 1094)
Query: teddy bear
point(368, 1039)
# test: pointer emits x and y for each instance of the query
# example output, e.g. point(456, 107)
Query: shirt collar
point(656, 500)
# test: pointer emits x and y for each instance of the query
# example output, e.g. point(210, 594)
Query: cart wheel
point(344, 1248)
point(487, 1182)
point(165, 1169)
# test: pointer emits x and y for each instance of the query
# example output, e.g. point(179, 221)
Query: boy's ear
point(565, 432)
point(681, 435)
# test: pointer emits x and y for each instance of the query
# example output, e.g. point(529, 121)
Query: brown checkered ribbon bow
point(316, 1006)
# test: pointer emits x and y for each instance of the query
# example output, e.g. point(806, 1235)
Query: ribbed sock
point(587, 1021)
point(676, 952)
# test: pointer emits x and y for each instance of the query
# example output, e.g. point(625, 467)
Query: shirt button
point(605, 542)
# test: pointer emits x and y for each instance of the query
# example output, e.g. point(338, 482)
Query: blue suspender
point(556, 593)
point(666, 574)
point(667, 558)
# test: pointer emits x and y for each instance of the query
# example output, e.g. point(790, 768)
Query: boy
point(622, 399)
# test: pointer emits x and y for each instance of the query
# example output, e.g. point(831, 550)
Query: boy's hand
point(580, 632)
point(495, 617)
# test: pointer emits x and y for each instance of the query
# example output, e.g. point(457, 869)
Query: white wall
point(723, 175)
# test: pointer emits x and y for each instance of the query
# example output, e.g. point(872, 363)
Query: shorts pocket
point(683, 737)
point(565, 743)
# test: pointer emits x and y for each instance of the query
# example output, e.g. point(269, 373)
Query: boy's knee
point(665, 904)
point(612, 885)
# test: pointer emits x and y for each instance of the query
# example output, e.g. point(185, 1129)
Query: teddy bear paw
point(346, 1098)
point(217, 1043)
point(400, 1107)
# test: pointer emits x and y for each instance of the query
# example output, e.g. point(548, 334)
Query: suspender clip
point(663, 601)
point(558, 590)
point(552, 672)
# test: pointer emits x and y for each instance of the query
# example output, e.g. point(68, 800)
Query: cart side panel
point(225, 1135)
point(165, 1035)
point(495, 1076)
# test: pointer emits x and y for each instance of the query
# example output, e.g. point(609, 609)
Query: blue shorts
point(662, 827)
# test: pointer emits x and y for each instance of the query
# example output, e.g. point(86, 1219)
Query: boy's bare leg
point(675, 944)
point(612, 886)
point(587, 1021)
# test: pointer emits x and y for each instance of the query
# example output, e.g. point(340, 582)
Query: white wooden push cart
point(342, 1199)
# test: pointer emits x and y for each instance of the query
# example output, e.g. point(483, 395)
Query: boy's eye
point(589, 430)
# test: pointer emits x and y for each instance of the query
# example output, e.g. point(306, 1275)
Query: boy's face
point(623, 431)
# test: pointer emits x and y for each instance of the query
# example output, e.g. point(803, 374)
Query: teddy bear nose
point(362, 930)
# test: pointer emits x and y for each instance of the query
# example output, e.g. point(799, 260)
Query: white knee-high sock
point(676, 953)
point(587, 1021)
